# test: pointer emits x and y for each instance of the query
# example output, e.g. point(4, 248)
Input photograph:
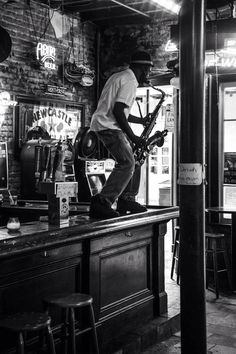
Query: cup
point(13, 200)
point(13, 224)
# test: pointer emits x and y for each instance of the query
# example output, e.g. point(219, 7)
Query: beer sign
point(46, 54)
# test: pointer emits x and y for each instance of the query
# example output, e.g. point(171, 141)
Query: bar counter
point(119, 262)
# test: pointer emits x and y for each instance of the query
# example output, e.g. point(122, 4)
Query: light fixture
point(171, 47)
point(169, 5)
point(175, 82)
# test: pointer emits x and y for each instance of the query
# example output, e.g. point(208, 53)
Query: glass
point(13, 199)
point(13, 224)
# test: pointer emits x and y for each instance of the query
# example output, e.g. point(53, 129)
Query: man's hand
point(147, 119)
point(138, 141)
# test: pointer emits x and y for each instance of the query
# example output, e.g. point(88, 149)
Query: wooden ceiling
point(114, 12)
point(106, 13)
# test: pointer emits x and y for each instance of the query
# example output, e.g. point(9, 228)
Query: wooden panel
point(28, 293)
point(48, 256)
point(121, 272)
point(23, 289)
point(124, 273)
point(121, 238)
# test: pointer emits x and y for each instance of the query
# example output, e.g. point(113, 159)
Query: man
point(110, 122)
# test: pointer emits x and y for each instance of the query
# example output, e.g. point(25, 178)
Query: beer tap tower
point(52, 182)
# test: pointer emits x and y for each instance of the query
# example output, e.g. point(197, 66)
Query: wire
point(47, 24)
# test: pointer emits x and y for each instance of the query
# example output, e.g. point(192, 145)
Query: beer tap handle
point(47, 156)
point(37, 163)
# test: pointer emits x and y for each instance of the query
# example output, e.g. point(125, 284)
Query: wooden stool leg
point(92, 319)
point(178, 272)
point(227, 265)
point(50, 341)
point(207, 261)
point(72, 331)
point(20, 343)
point(173, 258)
point(64, 332)
point(215, 265)
point(41, 339)
point(173, 262)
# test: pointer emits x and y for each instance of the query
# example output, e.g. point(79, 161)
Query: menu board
point(3, 166)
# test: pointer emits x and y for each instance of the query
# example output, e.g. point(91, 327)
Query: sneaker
point(100, 209)
point(124, 206)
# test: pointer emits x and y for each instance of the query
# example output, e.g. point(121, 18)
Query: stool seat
point(69, 303)
point(22, 323)
point(69, 300)
point(28, 321)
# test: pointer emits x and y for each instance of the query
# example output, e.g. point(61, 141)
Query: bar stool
point(68, 303)
point(175, 255)
point(22, 323)
point(215, 245)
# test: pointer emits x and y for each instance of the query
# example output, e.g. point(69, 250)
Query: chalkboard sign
point(3, 166)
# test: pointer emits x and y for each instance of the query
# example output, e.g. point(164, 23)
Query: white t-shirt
point(120, 87)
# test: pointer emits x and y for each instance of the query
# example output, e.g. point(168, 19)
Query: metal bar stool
point(68, 303)
point(175, 255)
point(215, 245)
point(21, 323)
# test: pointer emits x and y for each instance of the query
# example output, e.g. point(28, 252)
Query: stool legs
point(215, 267)
point(20, 343)
point(92, 319)
point(175, 257)
point(64, 331)
point(50, 340)
point(226, 259)
point(72, 331)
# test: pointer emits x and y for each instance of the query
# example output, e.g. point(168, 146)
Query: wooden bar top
point(39, 208)
point(39, 234)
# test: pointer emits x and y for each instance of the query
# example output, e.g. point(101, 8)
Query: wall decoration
point(46, 54)
point(60, 119)
point(5, 44)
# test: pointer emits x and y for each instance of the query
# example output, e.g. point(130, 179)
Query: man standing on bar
point(110, 123)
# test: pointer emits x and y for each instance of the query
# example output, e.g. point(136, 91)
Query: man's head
point(141, 63)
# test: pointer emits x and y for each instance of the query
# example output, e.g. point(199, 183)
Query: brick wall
point(20, 74)
point(118, 43)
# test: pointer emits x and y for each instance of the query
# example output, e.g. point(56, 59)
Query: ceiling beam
point(129, 7)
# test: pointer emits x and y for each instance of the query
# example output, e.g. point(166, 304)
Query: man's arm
point(118, 112)
point(137, 120)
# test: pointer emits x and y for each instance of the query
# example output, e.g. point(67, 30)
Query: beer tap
point(37, 162)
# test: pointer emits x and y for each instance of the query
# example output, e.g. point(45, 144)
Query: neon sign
point(47, 55)
point(219, 59)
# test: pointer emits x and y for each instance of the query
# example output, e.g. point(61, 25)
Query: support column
point(190, 179)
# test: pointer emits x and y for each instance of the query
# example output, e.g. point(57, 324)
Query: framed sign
point(59, 119)
point(3, 166)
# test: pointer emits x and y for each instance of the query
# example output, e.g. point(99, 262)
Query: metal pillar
point(191, 177)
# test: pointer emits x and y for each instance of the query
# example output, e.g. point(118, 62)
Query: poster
point(60, 119)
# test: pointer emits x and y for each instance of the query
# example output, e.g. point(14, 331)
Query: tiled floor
point(221, 318)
